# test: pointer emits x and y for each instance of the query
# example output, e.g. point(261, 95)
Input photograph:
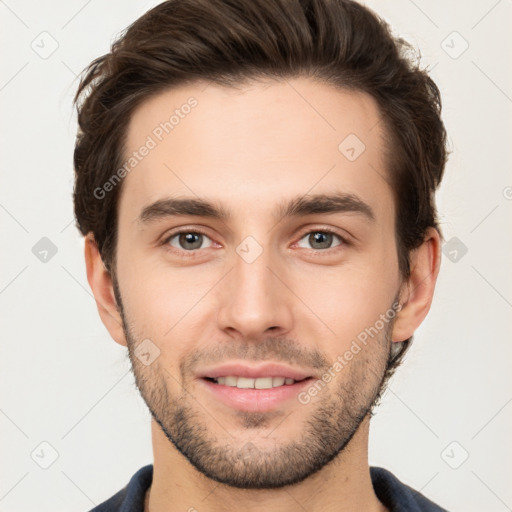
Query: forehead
point(254, 145)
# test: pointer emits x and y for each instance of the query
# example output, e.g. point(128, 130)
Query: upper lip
point(262, 370)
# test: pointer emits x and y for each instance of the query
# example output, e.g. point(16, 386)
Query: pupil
point(318, 236)
point(188, 238)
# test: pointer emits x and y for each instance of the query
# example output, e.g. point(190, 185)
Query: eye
point(321, 239)
point(187, 240)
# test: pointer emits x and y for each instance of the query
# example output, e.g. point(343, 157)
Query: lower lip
point(255, 400)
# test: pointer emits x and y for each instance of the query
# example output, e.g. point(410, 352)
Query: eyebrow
point(295, 207)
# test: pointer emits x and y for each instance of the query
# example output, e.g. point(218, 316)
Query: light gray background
point(65, 383)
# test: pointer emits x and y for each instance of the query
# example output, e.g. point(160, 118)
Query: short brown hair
point(229, 42)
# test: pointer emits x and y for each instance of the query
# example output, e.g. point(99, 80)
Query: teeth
point(278, 381)
point(259, 383)
point(228, 381)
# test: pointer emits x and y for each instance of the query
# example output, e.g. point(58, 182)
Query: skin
point(249, 150)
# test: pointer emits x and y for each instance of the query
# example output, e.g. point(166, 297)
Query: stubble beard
point(233, 459)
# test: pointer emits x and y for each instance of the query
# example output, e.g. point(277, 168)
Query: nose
point(256, 299)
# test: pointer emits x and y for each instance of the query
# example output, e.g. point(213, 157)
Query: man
point(255, 181)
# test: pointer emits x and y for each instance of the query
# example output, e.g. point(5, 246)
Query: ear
point(100, 282)
point(417, 292)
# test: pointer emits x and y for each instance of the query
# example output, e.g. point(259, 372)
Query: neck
point(343, 485)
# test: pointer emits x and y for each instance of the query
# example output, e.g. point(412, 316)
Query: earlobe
point(101, 285)
point(418, 291)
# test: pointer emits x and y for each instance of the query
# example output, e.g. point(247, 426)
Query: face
point(262, 277)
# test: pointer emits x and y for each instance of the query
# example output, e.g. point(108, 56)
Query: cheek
point(349, 298)
point(338, 300)
point(166, 305)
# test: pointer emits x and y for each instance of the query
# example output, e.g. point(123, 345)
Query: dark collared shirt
point(395, 495)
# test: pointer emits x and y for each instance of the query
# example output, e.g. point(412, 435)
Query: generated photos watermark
point(342, 360)
point(152, 140)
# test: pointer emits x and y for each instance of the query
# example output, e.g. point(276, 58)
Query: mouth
point(261, 394)
point(254, 383)
point(267, 386)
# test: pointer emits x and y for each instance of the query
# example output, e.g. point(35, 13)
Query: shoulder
point(397, 496)
point(131, 497)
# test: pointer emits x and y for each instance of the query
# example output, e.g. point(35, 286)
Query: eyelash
point(193, 253)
